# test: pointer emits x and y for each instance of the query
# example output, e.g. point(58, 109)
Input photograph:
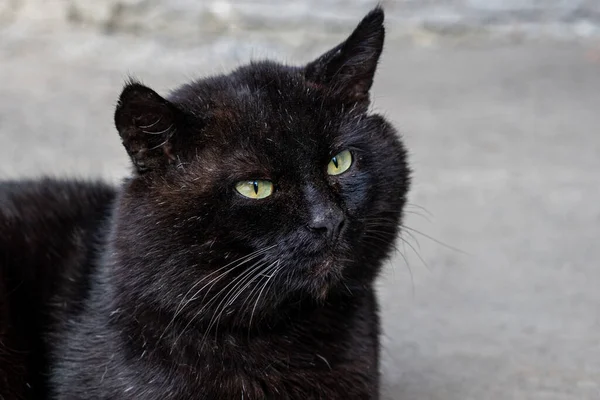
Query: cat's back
point(48, 233)
point(43, 221)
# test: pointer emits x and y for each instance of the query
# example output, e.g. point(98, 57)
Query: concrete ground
point(505, 144)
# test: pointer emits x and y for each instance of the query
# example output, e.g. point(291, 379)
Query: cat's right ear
point(348, 69)
point(146, 123)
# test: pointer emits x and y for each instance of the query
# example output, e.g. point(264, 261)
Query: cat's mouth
point(316, 265)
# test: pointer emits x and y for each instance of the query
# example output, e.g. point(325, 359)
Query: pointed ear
point(348, 69)
point(146, 123)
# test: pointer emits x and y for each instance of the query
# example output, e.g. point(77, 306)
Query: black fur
point(174, 286)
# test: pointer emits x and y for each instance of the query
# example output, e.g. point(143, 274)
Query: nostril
point(319, 226)
point(330, 227)
point(340, 227)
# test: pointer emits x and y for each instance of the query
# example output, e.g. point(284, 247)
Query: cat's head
point(269, 183)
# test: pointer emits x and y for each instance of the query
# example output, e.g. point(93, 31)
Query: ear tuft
point(348, 69)
point(146, 123)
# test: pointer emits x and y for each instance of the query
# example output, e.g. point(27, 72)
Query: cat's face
point(267, 184)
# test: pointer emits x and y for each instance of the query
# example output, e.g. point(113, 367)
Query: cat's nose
point(328, 222)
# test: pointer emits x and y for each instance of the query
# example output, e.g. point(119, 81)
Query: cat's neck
point(160, 332)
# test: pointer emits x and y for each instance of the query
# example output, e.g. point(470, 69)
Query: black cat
point(237, 263)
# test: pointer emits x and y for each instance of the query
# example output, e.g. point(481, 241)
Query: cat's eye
point(257, 189)
point(339, 163)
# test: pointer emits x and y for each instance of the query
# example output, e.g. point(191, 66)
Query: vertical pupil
point(334, 161)
point(255, 185)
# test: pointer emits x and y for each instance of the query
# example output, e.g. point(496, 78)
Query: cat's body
point(48, 235)
point(239, 260)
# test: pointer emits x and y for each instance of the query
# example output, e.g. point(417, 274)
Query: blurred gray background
point(498, 102)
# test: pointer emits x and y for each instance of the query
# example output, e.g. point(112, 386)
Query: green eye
point(257, 189)
point(339, 163)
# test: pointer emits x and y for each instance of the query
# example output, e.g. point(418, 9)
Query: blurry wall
point(188, 18)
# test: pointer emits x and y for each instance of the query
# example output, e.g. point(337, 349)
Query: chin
point(325, 276)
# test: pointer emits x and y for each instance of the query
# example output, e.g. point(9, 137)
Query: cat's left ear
point(348, 68)
point(146, 123)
